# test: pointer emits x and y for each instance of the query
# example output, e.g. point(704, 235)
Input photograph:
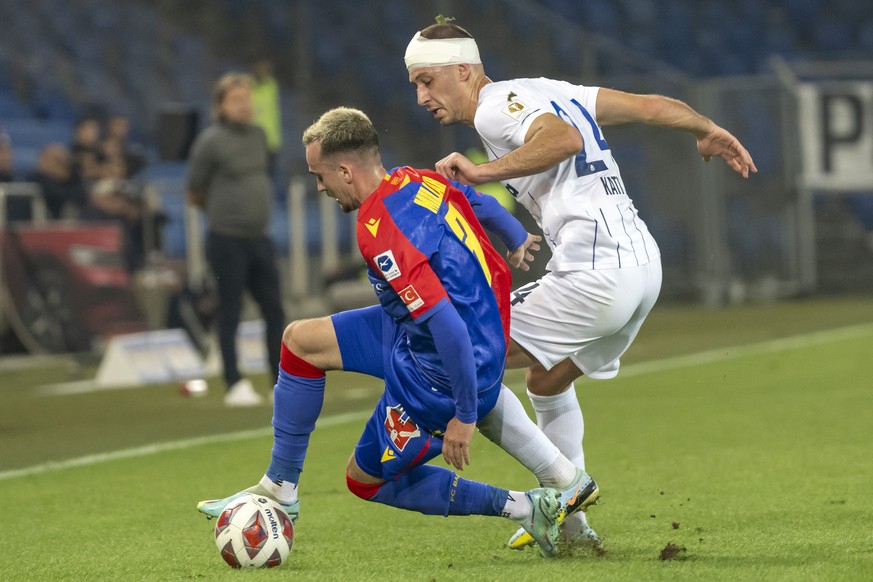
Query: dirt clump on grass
point(672, 552)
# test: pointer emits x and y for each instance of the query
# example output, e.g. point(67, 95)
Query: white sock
point(286, 492)
point(560, 418)
point(509, 426)
point(518, 507)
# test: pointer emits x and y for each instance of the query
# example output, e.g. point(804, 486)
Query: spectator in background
point(267, 110)
point(17, 207)
point(116, 141)
point(86, 151)
point(228, 178)
point(112, 198)
point(64, 196)
point(6, 173)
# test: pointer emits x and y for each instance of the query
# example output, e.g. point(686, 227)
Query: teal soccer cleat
point(543, 524)
point(577, 497)
point(212, 508)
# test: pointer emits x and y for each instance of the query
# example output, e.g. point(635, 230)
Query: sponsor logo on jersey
point(387, 265)
point(401, 429)
point(398, 181)
point(388, 454)
point(373, 225)
point(516, 110)
point(411, 298)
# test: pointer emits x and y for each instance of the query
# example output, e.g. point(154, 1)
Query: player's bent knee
point(293, 336)
point(365, 491)
point(292, 358)
point(360, 483)
point(311, 337)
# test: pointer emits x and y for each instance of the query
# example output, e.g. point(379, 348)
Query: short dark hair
point(444, 28)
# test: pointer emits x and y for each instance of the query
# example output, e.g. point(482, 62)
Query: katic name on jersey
point(612, 185)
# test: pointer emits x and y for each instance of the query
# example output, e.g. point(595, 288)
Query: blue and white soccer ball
point(254, 531)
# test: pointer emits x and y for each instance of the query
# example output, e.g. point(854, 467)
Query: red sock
point(297, 366)
point(362, 490)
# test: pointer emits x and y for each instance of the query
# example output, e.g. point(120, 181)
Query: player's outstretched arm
point(548, 142)
point(719, 142)
point(459, 168)
point(520, 257)
point(617, 107)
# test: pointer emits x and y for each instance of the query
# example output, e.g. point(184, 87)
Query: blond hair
point(343, 129)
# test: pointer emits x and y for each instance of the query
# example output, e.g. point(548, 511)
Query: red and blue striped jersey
point(424, 247)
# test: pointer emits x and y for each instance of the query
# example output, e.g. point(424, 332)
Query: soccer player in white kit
point(545, 144)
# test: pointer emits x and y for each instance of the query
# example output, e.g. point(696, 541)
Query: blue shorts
point(372, 343)
point(392, 442)
point(361, 335)
point(404, 429)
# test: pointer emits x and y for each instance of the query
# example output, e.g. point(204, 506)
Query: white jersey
point(587, 218)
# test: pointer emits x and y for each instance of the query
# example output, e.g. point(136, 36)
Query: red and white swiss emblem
point(411, 298)
point(400, 427)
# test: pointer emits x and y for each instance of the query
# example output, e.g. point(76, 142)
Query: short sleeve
point(503, 118)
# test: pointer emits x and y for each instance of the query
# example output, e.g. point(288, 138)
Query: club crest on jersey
point(516, 110)
point(401, 429)
point(411, 298)
point(387, 265)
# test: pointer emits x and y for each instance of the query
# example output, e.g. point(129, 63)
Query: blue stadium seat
point(24, 159)
point(35, 133)
point(11, 107)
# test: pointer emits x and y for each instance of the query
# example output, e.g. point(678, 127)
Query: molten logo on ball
point(254, 532)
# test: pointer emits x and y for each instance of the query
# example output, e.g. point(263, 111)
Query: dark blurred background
point(129, 81)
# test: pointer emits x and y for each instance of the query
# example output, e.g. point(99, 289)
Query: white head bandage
point(425, 52)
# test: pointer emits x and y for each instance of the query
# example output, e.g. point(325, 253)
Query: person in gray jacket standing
point(229, 180)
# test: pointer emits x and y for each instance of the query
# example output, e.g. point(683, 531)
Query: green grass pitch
point(753, 457)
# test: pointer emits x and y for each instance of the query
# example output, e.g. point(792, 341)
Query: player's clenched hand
point(520, 257)
point(459, 168)
point(456, 443)
point(719, 142)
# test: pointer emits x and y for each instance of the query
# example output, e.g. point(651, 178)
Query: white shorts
point(590, 316)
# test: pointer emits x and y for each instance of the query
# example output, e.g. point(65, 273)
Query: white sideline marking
point(721, 354)
point(68, 388)
point(765, 347)
point(155, 448)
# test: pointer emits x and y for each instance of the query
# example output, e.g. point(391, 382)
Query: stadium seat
point(11, 107)
point(35, 133)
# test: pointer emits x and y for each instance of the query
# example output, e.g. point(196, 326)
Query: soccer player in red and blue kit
point(438, 339)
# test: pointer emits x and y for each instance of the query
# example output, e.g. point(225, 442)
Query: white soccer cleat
point(241, 394)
